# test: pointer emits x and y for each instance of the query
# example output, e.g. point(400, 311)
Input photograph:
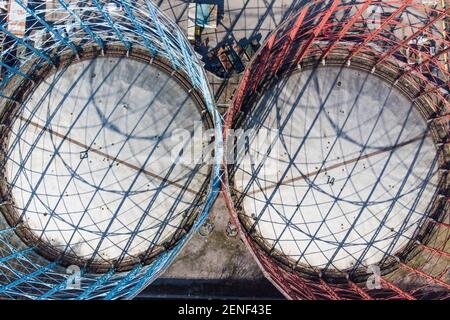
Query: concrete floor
point(356, 168)
point(213, 266)
point(215, 256)
point(94, 177)
point(202, 259)
point(256, 19)
point(238, 19)
point(214, 260)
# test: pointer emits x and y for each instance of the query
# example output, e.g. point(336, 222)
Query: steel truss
point(89, 28)
point(340, 33)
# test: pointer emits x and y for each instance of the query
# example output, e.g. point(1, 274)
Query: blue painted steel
point(28, 276)
point(14, 70)
point(97, 284)
point(16, 255)
point(124, 282)
point(188, 58)
point(139, 29)
point(50, 29)
point(112, 24)
point(85, 27)
point(133, 24)
point(53, 291)
point(4, 231)
point(165, 40)
point(27, 45)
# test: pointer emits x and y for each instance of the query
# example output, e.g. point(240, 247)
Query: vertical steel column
point(188, 59)
point(264, 58)
point(7, 230)
point(434, 250)
point(16, 255)
point(359, 291)
point(396, 289)
point(14, 70)
point(424, 62)
point(57, 288)
point(329, 290)
point(124, 282)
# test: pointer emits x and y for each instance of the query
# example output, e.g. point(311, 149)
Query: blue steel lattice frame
point(23, 273)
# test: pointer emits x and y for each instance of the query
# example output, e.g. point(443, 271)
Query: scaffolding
point(58, 35)
point(405, 43)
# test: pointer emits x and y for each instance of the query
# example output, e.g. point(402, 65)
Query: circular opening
point(92, 168)
point(336, 177)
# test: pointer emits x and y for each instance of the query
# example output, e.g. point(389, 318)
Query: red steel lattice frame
point(317, 35)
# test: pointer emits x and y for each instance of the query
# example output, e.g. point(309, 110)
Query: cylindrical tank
point(100, 104)
point(337, 152)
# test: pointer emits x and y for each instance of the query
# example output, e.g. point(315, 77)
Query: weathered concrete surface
point(215, 256)
point(92, 159)
point(350, 175)
point(215, 266)
point(238, 19)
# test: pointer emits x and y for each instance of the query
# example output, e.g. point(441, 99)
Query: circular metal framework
point(118, 253)
point(401, 46)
